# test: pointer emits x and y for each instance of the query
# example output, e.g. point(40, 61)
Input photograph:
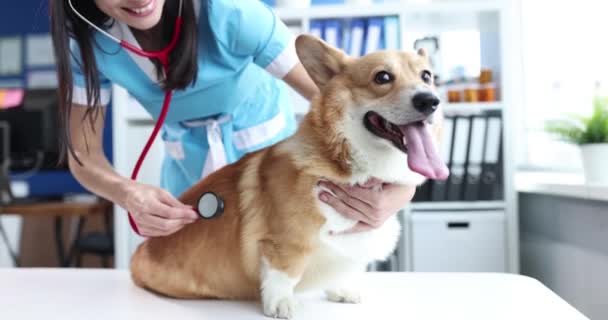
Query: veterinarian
point(226, 70)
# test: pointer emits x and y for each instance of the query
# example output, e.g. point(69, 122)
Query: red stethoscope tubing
point(163, 57)
point(144, 152)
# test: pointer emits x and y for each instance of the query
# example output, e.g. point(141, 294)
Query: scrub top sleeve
point(254, 30)
point(79, 91)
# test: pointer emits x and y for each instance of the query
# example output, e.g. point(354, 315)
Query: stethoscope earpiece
point(210, 205)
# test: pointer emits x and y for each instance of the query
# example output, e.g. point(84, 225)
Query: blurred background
point(523, 86)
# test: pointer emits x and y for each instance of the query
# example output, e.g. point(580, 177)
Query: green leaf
point(566, 131)
point(579, 129)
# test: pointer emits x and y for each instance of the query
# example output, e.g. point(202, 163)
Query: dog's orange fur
point(261, 218)
point(270, 209)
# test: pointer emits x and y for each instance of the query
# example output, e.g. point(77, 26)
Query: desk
point(34, 294)
point(570, 185)
point(59, 209)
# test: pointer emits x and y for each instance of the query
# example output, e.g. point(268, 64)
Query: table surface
point(110, 294)
point(571, 185)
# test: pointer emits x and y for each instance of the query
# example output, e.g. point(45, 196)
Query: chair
point(96, 243)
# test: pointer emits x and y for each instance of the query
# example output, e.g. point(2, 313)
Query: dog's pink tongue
point(422, 157)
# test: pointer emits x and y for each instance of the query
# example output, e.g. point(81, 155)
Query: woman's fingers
point(177, 210)
point(347, 197)
point(343, 208)
point(162, 210)
point(160, 226)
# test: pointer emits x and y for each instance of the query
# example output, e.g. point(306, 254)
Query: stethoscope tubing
point(163, 56)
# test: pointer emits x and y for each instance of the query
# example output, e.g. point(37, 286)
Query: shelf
point(390, 8)
point(452, 109)
point(449, 109)
point(456, 205)
point(338, 11)
point(137, 113)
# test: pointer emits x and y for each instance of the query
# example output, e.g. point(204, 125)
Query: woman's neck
point(151, 39)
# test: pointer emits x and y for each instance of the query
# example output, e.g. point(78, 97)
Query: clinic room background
point(523, 88)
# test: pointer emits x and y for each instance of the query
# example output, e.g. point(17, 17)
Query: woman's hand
point(371, 203)
point(155, 211)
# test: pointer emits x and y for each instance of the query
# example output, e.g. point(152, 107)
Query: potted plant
point(590, 133)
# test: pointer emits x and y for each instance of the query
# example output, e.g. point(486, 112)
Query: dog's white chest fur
point(341, 255)
point(363, 246)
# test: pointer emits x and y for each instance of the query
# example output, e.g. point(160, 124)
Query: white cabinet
point(449, 241)
point(132, 128)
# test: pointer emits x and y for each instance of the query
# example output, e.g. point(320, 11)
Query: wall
point(564, 244)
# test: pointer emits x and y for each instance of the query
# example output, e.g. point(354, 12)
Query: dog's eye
point(426, 77)
point(383, 77)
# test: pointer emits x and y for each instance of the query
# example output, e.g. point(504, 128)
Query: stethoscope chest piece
point(210, 205)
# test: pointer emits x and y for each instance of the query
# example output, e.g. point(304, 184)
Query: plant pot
point(595, 158)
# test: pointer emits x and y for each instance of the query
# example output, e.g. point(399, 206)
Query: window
point(565, 63)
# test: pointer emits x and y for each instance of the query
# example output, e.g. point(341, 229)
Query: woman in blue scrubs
point(230, 70)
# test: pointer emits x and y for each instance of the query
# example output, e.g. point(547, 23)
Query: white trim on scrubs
point(79, 95)
point(284, 62)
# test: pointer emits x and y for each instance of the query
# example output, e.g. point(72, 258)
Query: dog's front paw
point(343, 295)
point(279, 307)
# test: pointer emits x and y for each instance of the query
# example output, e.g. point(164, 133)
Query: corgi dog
point(376, 116)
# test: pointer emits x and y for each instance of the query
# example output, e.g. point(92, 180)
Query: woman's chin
point(143, 24)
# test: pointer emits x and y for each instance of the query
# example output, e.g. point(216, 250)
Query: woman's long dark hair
point(65, 24)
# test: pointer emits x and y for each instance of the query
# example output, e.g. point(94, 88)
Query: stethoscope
point(209, 204)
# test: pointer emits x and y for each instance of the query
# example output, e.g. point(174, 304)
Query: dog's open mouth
point(414, 139)
point(385, 129)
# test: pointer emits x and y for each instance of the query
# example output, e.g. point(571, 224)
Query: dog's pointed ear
point(321, 61)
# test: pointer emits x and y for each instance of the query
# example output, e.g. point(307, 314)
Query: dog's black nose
point(425, 102)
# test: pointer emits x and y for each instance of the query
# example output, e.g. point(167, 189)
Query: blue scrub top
point(238, 103)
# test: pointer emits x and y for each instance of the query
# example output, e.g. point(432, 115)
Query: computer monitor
point(5, 147)
point(6, 195)
point(34, 131)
